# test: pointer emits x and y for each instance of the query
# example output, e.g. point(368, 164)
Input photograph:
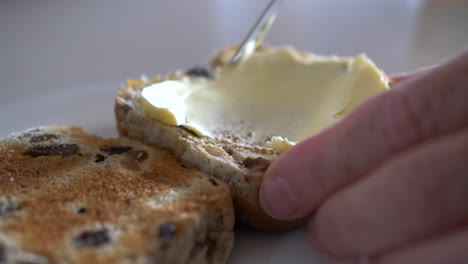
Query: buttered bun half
point(232, 122)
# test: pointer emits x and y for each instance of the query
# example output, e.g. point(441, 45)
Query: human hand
point(390, 181)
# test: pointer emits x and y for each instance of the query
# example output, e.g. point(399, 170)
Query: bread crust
point(70, 197)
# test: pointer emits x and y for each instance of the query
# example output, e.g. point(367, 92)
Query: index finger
point(414, 111)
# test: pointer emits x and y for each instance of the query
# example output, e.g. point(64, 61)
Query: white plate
point(92, 108)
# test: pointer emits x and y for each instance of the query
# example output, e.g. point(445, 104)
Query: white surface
point(61, 62)
point(52, 45)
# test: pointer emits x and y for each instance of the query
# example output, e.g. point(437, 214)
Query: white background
point(57, 45)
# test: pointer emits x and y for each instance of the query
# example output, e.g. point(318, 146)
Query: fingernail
point(277, 198)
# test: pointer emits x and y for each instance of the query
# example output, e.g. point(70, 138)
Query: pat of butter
point(165, 102)
point(275, 93)
point(280, 144)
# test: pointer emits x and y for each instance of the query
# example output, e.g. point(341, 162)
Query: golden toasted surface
point(73, 197)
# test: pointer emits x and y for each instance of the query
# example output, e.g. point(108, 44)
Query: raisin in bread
point(70, 197)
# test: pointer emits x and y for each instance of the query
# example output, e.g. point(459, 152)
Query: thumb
point(412, 112)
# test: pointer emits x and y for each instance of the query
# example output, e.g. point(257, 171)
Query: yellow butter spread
point(275, 96)
point(279, 143)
